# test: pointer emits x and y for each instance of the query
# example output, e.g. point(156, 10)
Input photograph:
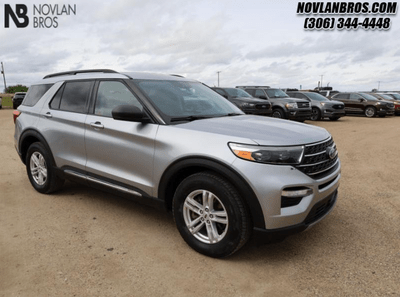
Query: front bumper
point(256, 111)
point(333, 112)
point(317, 213)
point(268, 182)
point(385, 112)
point(298, 114)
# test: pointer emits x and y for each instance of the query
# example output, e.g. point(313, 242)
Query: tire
point(315, 114)
point(278, 113)
point(334, 118)
point(197, 200)
point(14, 106)
point(39, 167)
point(370, 112)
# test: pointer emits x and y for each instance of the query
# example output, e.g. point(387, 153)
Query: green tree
point(17, 88)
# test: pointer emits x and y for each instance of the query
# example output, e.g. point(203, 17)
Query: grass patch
point(6, 101)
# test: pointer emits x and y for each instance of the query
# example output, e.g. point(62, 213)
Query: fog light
point(296, 193)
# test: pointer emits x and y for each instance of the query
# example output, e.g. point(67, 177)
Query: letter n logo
point(21, 11)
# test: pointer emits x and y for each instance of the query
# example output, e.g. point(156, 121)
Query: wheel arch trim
point(184, 167)
point(22, 148)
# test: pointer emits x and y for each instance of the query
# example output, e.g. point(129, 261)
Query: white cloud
point(256, 42)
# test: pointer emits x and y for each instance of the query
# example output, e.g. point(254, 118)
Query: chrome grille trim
point(316, 160)
point(315, 173)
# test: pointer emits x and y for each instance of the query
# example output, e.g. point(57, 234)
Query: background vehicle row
point(363, 103)
point(282, 105)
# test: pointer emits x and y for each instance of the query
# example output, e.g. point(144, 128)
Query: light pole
point(4, 76)
point(218, 72)
point(321, 80)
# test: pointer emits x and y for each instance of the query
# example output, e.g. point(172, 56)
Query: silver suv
point(173, 142)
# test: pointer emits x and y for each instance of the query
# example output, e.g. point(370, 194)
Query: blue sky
point(249, 42)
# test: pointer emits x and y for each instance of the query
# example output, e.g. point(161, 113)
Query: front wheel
point(40, 170)
point(210, 215)
point(315, 114)
point(278, 113)
point(370, 112)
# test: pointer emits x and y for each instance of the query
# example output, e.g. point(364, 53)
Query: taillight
point(16, 114)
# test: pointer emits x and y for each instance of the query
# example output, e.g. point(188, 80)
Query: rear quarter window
point(35, 92)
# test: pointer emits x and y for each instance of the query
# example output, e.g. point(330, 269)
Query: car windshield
point(396, 96)
point(237, 93)
point(276, 93)
point(384, 96)
point(368, 96)
point(316, 96)
point(185, 101)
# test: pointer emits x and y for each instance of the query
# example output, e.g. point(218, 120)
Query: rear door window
point(75, 96)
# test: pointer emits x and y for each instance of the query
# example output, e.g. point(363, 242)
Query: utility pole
point(379, 83)
point(218, 72)
point(4, 77)
point(321, 80)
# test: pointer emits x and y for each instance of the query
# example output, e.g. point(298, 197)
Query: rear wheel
point(40, 170)
point(210, 215)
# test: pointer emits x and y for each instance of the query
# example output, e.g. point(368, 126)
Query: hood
point(335, 102)
point(250, 99)
point(262, 130)
point(289, 99)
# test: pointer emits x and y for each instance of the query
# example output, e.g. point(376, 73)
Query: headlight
point(378, 103)
point(323, 103)
point(268, 154)
point(291, 105)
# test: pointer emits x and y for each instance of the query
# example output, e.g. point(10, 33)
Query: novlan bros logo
point(44, 15)
point(20, 13)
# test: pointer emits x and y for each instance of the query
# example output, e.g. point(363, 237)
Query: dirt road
point(82, 242)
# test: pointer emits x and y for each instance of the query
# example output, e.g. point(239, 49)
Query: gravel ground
point(83, 242)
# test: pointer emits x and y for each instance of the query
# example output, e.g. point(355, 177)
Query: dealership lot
point(84, 242)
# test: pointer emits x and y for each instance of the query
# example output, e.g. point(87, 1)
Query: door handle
point(48, 115)
point(97, 125)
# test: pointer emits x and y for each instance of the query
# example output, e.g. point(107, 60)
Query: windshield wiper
point(188, 118)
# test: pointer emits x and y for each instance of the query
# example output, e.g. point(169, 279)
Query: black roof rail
point(177, 75)
point(74, 72)
point(256, 87)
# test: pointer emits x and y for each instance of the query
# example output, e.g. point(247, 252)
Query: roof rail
point(74, 72)
point(256, 87)
point(177, 75)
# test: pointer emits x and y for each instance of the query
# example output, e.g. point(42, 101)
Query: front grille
point(263, 106)
point(303, 104)
point(316, 161)
point(321, 208)
point(304, 112)
point(390, 106)
point(338, 106)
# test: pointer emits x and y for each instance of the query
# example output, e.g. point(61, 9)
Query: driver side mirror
point(263, 97)
point(361, 100)
point(129, 113)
